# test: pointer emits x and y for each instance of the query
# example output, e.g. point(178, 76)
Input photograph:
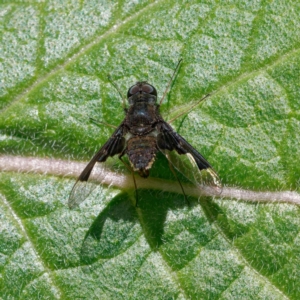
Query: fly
point(141, 135)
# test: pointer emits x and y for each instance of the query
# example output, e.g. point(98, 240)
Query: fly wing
point(186, 159)
point(91, 174)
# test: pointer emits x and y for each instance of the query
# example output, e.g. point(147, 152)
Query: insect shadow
point(120, 224)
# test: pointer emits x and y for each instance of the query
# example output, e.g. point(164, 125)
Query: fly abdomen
point(141, 152)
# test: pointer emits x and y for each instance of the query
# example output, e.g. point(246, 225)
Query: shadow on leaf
point(113, 231)
point(154, 207)
point(121, 224)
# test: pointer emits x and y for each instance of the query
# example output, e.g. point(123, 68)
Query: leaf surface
point(55, 60)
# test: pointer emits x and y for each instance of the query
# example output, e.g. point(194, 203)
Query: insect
point(140, 136)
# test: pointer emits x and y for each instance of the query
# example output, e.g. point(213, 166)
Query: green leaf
point(55, 60)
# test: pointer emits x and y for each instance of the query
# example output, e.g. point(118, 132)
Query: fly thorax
point(140, 118)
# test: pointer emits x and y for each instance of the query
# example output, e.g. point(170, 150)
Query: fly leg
point(170, 81)
point(118, 90)
point(186, 111)
point(132, 172)
point(98, 123)
point(174, 173)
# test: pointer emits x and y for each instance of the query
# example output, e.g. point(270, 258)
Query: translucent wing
point(83, 188)
point(92, 173)
point(186, 159)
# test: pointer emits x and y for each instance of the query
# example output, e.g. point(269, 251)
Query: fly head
point(142, 91)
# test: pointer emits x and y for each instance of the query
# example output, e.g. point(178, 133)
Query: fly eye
point(149, 89)
point(141, 87)
point(133, 90)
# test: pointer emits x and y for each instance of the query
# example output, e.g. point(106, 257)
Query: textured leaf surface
point(54, 63)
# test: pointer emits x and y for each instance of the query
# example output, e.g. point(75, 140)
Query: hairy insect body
point(141, 118)
point(141, 121)
point(141, 151)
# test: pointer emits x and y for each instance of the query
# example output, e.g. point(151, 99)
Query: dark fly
point(142, 134)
